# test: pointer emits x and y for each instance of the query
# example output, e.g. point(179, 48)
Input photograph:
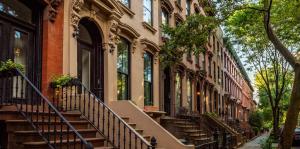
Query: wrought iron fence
point(16, 89)
point(74, 96)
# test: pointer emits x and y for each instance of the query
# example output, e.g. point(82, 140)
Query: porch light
point(198, 93)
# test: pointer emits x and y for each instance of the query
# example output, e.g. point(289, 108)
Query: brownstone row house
point(122, 97)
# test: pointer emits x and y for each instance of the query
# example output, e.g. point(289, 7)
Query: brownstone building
point(121, 96)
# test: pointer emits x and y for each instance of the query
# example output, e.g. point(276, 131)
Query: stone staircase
point(135, 127)
point(187, 131)
point(19, 134)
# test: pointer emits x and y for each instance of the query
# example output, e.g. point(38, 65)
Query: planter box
point(150, 108)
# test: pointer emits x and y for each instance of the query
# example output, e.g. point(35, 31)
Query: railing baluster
point(68, 137)
point(119, 134)
point(124, 135)
point(93, 109)
point(113, 129)
point(108, 123)
point(89, 105)
point(75, 106)
point(66, 92)
point(71, 97)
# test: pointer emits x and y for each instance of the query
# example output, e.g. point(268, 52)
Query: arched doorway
point(20, 35)
point(90, 57)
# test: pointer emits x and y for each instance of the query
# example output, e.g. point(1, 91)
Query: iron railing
point(209, 145)
point(16, 89)
point(74, 96)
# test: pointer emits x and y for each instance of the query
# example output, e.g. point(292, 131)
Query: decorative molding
point(149, 27)
point(75, 17)
point(149, 45)
point(134, 46)
point(167, 5)
point(113, 36)
point(126, 9)
point(53, 6)
point(128, 31)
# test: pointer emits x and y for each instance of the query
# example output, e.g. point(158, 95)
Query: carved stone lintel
point(75, 17)
point(53, 6)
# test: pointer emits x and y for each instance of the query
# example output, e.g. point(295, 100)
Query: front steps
point(186, 131)
point(135, 127)
point(19, 134)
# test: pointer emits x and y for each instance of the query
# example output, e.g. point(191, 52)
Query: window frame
point(129, 3)
point(128, 69)
point(151, 12)
point(146, 81)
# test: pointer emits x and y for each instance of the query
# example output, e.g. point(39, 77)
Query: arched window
point(148, 78)
point(123, 67)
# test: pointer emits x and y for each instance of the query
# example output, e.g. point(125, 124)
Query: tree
point(274, 88)
point(278, 22)
point(256, 120)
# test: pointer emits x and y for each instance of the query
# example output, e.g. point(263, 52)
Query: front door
point(90, 57)
point(167, 91)
point(18, 36)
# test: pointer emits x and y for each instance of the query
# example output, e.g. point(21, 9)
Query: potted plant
point(8, 68)
point(57, 85)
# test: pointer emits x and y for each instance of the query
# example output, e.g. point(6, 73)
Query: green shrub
point(267, 143)
point(60, 81)
point(10, 65)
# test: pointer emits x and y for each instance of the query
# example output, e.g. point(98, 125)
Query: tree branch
point(273, 37)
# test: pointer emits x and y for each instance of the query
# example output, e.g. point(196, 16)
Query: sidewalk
point(255, 144)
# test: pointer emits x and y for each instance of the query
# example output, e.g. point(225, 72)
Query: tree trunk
point(292, 114)
point(276, 123)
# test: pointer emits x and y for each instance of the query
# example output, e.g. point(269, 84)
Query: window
point(203, 61)
point(197, 59)
point(126, 3)
point(189, 93)
point(215, 78)
point(148, 11)
point(123, 67)
point(164, 17)
point(164, 20)
point(178, 84)
point(148, 68)
point(188, 7)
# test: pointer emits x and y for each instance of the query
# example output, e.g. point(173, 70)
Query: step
point(97, 142)
point(193, 131)
point(126, 119)
point(140, 131)
point(147, 137)
point(133, 125)
point(27, 136)
point(19, 125)
point(197, 134)
point(186, 126)
point(16, 115)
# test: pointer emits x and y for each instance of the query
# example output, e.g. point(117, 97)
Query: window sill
point(178, 6)
point(126, 9)
point(149, 27)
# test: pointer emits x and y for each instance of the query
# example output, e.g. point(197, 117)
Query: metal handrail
point(52, 111)
point(77, 83)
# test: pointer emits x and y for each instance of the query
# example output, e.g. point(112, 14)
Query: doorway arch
point(90, 63)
